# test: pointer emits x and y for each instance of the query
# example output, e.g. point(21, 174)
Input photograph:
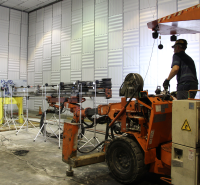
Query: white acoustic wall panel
point(24, 41)
point(31, 41)
point(77, 16)
point(88, 28)
point(88, 61)
point(46, 77)
point(55, 77)
point(66, 33)
point(24, 18)
point(131, 20)
point(131, 38)
point(23, 54)
point(146, 15)
point(101, 59)
point(15, 15)
point(88, 74)
point(77, 4)
point(115, 23)
point(40, 27)
point(4, 13)
point(88, 10)
point(131, 6)
point(46, 65)
point(56, 36)
point(47, 51)
point(131, 56)
point(101, 10)
point(15, 27)
point(32, 29)
point(47, 38)
point(38, 78)
point(77, 31)
point(66, 14)
point(56, 63)
point(31, 78)
point(38, 65)
point(14, 53)
point(39, 52)
point(31, 54)
point(4, 75)
point(166, 8)
point(101, 42)
point(56, 48)
point(115, 7)
point(23, 76)
point(101, 26)
point(88, 44)
point(48, 12)
point(24, 30)
point(13, 75)
point(100, 1)
point(75, 75)
point(57, 9)
point(57, 22)
point(4, 51)
point(31, 66)
point(65, 48)
point(101, 73)
point(65, 63)
point(48, 24)
point(4, 26)
point(39, 40)
point(76, 62)
point(115, 58)
point(186, 4)
point(147, 4)
point(115, 40)
point(3, 64)
point(76, 46)
point(4, 38)
point(13, 65)
point(115, 73)
point(65, 75)
point(40, 15)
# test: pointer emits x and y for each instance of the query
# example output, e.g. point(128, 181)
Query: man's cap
point(182, 42)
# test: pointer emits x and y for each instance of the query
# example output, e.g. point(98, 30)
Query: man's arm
point(173, 72)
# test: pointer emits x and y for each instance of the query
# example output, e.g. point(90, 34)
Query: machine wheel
point(125, 160)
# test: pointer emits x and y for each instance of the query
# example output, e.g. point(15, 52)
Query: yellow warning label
point(186, 126)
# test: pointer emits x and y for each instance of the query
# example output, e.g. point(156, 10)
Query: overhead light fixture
point(173, 38)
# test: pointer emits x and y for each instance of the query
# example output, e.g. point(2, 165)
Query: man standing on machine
point(184, 67)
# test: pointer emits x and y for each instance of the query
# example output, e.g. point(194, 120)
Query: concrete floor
point(41, 163)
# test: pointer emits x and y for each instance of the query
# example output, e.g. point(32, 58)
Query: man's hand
point(166, 84)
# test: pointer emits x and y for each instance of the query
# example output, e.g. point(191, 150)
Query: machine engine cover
point(128, 86)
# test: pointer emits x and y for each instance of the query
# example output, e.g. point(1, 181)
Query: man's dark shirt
point(186, 77)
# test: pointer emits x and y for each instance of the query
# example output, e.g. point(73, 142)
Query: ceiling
point(26, 5)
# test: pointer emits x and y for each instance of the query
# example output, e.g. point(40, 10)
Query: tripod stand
point(94, 140)
point(45, 123)
point(27, 121)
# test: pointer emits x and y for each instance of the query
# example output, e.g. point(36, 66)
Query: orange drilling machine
point(144, 138)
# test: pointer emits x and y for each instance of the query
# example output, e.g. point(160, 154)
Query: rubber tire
point(129, 153)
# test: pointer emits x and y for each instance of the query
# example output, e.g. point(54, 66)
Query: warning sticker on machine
point(191, 154)
point(186, 126)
